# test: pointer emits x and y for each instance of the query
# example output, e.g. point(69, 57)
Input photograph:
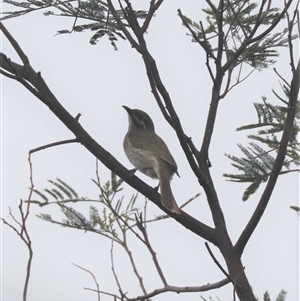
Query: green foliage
point(210, 299)
point(59, 192)
point(240, 21)
point(296, 208)
point(90, 15)
point(258, 162)
point(74, 218)
point(281, 296)
point(108, 220)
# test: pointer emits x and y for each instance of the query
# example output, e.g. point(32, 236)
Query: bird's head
point(139, 119)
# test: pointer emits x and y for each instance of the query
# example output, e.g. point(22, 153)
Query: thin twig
point(135, 270)
point(88, 271)
point(236, 83)
point(52, 145)
point(282, 78)
point(142, 226)
point(76, 16)
point(207, 55)
point(113, 268)
point(237, 19)
point(217, 262)
point(132, 41)
point(290, 29)
point(23, 232)
point(104, 293)
point(204, 44)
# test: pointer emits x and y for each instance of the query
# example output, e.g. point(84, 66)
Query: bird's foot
point(156, 187)
point(132, 172)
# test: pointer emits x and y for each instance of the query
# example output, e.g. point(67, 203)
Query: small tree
point(239, 37)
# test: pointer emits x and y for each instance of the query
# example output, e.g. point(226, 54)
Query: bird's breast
point(143, 160)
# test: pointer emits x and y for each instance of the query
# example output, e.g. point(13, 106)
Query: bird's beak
point(127, 109)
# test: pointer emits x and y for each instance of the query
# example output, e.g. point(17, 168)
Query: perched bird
point(149, 154)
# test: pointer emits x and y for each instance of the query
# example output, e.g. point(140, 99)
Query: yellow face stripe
point(139, 121)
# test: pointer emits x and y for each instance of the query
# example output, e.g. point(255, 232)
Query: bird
point(149, 154)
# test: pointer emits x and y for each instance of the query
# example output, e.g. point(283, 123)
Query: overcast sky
point(96, 81)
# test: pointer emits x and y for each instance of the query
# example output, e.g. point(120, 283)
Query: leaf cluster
point(258, 161)
point(240, 20)
point(104, 219)
point(281, 296)
point(90, 15)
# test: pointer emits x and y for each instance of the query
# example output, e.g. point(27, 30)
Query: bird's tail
point(167, 198)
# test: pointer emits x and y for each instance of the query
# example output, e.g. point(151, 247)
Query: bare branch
point(142, 226)
point(282, 78)
point(52, 145)
point(207, 55)
point(135, 270)
point(113, 268)
point(170, 288)
point(178, 290)
point(204, 44)
point(23, 232)
point(238, 81)
point(105, 293)
point(88, 271)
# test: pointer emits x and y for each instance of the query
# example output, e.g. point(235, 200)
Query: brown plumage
point(149, 154)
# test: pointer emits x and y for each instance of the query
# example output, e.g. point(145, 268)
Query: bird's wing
point(155, 145)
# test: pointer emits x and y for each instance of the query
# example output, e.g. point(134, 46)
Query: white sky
point(96, 81)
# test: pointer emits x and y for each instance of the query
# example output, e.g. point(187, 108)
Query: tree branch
point(178, 289)
point(133, 43)
point(139, 222)
point(23, 232)
point(264, 200)
point(95, 280)
point(52, 145)
point(153, 7)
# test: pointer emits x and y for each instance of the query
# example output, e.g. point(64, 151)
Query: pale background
point(96, 81)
